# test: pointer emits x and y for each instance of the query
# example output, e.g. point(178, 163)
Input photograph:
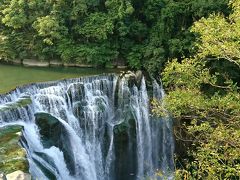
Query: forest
point(141, 34)
point(193, 45)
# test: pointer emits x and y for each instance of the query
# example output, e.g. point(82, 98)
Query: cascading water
point(91, 128)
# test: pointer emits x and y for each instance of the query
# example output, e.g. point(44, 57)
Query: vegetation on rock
point(12, 155)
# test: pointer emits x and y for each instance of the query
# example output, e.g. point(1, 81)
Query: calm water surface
point(13, 76)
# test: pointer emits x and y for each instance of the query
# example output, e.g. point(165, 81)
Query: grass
point(14, 76)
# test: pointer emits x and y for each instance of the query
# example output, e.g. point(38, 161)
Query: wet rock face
point(125, 148)
point(12, 155)
point(133, 78)
point(139, 76)
point(23, 102)
point(76, 92)
point(53, 133)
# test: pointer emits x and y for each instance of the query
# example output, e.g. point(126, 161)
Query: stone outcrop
point(18, 175)
point(84, 65)
point(133, 77)
point(53, 63)
point(35, 63)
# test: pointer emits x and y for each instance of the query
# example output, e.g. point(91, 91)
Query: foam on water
point(90, 109)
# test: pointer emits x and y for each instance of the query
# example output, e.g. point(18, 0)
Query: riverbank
point(57, 63)
point(12, 76)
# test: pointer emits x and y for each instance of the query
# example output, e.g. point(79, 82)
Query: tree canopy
point(195, 43)
point(141, 34)
point(203, 97)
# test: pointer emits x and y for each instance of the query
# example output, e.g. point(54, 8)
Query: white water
point(90, 109)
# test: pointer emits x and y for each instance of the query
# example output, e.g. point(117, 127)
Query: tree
point(203, 98)
point(141, 34)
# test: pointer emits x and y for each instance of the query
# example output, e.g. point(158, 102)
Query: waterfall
point(91, 128)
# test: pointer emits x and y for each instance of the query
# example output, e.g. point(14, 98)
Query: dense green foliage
point(141, 34)
point(203, 97)
point(201, 39)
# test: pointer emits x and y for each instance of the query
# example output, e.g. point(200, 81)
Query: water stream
point(91, 128)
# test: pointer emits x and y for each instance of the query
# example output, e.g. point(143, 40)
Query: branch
point(218, 86)
point(231, 60)
point(224, 57)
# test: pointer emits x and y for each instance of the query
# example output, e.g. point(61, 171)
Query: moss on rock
point(12, 155)
point(22, 102)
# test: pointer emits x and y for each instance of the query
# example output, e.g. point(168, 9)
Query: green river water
point(13, 76)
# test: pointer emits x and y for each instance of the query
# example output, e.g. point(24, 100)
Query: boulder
point(18, 175)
